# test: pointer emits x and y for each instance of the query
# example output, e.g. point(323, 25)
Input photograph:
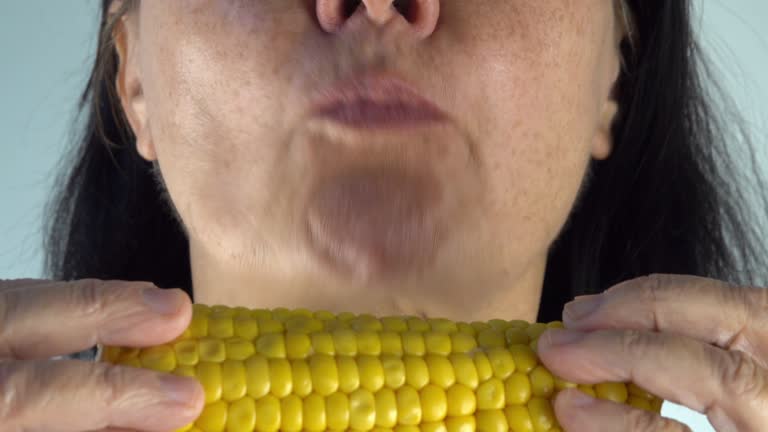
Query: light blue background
point(46, 49)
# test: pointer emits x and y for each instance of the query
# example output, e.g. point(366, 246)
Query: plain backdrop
point(46, 49)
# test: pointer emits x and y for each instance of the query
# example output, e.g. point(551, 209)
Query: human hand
point(41, 319)
point(694, 341)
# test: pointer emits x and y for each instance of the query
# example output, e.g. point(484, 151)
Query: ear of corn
point(298, 370)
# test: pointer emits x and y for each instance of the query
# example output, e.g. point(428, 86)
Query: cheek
point(212, 98)
point(534, 92)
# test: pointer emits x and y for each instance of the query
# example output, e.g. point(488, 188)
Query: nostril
point(407, 9)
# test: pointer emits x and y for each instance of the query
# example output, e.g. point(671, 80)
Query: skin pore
point(219, 94)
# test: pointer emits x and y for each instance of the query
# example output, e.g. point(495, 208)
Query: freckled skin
point(221, 92)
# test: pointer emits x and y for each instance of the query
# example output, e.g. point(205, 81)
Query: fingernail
point(179, 389)
point(555, 337)
point(579, 399)
point(163, 302)
point(582, 307)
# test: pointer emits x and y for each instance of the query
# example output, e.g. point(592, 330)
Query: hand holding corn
point(41, 319)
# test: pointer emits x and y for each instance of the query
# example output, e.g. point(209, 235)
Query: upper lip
point(375, 100)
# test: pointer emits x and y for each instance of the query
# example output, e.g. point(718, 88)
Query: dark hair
point(670, 199)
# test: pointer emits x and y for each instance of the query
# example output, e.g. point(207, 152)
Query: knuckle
point(110, 382)
point(11, 387)
point(634, 342)
point(88, 297)
point(742, 376)
point(9, 305)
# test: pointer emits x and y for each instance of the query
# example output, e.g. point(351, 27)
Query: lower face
point(452, 211)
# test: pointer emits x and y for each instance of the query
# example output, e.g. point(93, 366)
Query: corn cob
point(298, 370)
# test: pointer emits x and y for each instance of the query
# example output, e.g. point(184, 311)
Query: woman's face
point(381, 203)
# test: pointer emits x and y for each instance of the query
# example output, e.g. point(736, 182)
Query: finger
point(728, 316)
point(70, 396)
point(61, 318)
point(728, 386)
point(21, 283)
point(577, 411)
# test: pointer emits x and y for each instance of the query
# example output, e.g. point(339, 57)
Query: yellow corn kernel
point(198, 327)
point(413, 343)
point(442, 325)
point(371, 372)
point(464, 369)
point(220, 326)
point(518, 418)
point(517, 389)
point(535, 330)
point(322, 343)
point(587, 389)
point(490, 338)
point(525, 359)
point(366, 323)
point(462, 342)
point(433, 427)
point(213, 418)
point(416, 372)
point(440, 370)
point(345, 342)
point(160, 358)
point(280, 379)
point(186, 352)
point(291, 413)
point(268, 414)
point(483, 366)
point(302, 378)
point(515, 335)
point(408, 406)
point(271, 345)
point(362, 409)
point(460, 400)
point(349, 375)
point(639, 402)
point(209, 375)
point(233, 380)
point(239, 349)
point(314, 413)
point(613, 391)
point(490, 395)
point(542, 415)
point(461, 424)
point(337, 411)
point(394, 324)
point(418, 325)
point(303, 324)
point(391, 343)
point(394, 370)
point(542, 383)
point(502, 362)
point(438, 343)
point(368, 343)
point(246, 328)
point(242, 415)
point(325, 375)
point(212, 350)
point(297, 345)
point(434, 403)
point(257, 376)
point(386, 408)
point(492, 420)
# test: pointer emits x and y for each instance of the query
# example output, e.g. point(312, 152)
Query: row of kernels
point(223, 320)
point(363, 410)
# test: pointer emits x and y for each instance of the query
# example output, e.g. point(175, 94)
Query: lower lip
point(369, 114)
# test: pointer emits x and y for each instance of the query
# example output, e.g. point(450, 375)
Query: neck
point(473, 298)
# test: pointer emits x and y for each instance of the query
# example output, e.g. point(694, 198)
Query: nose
point(421, 15)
